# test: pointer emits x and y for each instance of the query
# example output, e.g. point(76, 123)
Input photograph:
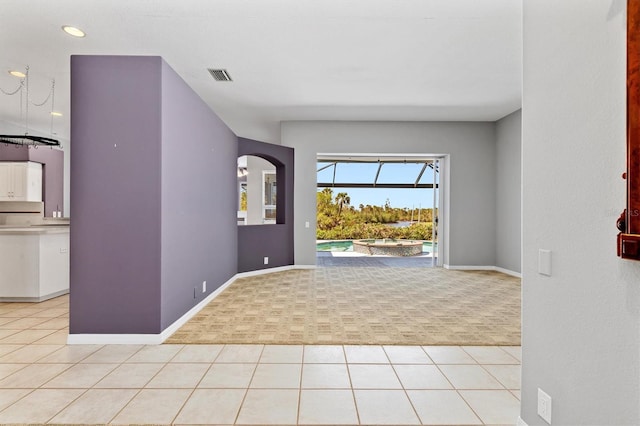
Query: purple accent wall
point(153, 198)
point(275, 241)
point(13, 153)
point(199, 241)
point(152, 215)
point(115, 194)
point(52, 178)
point(52, 160)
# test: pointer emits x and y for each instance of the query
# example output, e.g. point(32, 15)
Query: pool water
point(348, 246)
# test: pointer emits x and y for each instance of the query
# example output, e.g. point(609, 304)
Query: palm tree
point(342, 199)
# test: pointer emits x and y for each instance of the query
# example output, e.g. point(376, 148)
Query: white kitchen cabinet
point(20, 181)
point(34, 263)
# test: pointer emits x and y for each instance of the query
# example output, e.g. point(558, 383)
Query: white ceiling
point(403, 60)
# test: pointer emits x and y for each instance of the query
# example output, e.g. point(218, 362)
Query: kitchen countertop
point(34, 229)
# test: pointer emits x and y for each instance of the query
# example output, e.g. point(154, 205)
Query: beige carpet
point(363, 305)
point(363, 301)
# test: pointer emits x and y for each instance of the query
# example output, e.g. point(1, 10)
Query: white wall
point(509, 191)
point(471, 149)
point(581, 326)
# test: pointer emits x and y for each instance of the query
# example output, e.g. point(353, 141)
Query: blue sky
point(390, 173)
point(398, 197)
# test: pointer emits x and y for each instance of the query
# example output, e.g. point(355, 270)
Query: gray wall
point(199, 240)
point(509, 192)
point(153, 198)
point(471, 230)
point(52, 160)
point(581, 326)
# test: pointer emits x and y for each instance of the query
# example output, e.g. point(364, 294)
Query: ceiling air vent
point(219, 74)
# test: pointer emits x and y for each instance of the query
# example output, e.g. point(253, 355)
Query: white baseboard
point(167, 332)
point(146, 339)
point(35, 299)
point(483, 268)
point(469, 267)
point(114, 339)
point(271, 270)
point(157, 339)
point(509, 272)
point(521, 422)
point(305, 267)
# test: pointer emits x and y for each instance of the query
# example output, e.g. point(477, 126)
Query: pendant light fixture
point(27, 139)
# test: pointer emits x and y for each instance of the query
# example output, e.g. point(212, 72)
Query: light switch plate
point(544, 405)
point(544, 262)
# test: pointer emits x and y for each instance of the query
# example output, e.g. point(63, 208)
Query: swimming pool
point(347, 245)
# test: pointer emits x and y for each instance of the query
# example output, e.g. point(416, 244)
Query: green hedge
point(358, 231)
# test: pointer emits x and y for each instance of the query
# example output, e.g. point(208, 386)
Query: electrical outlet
point(544, 405)
point(64, 250)
point(204, 286)
point(306, 224)
point(266, 260)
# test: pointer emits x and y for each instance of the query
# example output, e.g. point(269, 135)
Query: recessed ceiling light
point(56, 114)
point(18, 74)
point(76, 32)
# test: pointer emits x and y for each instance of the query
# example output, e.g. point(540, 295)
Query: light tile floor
point(43, 380)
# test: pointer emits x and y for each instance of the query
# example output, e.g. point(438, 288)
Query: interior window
point(257, 191)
